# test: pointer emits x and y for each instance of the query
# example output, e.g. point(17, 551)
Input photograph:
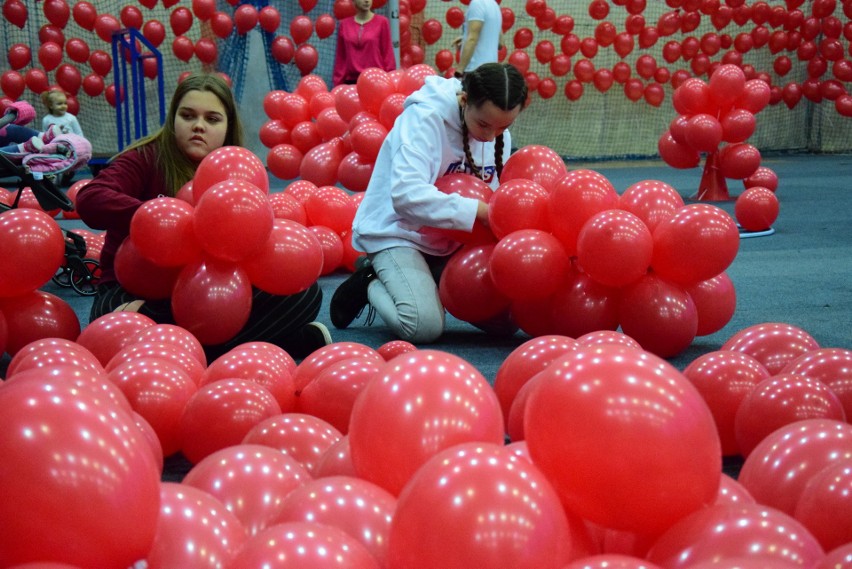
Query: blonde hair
point(175, 166)
point(47, 98)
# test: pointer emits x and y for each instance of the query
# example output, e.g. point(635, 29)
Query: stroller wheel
point(85, 282)
point(63, 277)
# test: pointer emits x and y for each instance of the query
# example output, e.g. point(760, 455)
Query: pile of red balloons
point(206, 255)
point(567, 255)
point(353, 450)
point(334, 136)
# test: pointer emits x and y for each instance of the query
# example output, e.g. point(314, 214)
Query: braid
point(498, 154)
point(466, 144)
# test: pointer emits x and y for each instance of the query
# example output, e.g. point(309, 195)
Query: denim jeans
point(405, 293)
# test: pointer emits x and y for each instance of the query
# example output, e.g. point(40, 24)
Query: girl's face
point(201, 124)
point(364, 5)
point(58, 105)
point(488, 121)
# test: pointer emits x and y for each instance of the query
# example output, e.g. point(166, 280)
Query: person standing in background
point(363, 41)
point(480, 41)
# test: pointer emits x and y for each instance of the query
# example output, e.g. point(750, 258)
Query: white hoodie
point(424, 144)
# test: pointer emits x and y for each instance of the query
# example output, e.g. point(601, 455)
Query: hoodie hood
point(438, 94)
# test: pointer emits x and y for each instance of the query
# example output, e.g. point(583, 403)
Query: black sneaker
point(350, 298)
point(312, 337)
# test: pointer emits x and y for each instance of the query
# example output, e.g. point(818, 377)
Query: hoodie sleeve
point(113, 196)
point(415, 165)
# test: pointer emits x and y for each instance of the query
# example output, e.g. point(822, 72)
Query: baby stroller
point(37, 172)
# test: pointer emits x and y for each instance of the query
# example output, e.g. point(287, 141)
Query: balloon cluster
point(334, 136)
point(357, 451)
point(722, 110)
point(33, 245)
point(207, 254)
point(567, 255)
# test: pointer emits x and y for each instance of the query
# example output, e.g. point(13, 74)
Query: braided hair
point(505, 87)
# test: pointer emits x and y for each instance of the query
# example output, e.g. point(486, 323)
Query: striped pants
point(274, 319)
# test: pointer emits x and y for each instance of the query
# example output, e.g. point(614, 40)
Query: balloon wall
point(590, 63)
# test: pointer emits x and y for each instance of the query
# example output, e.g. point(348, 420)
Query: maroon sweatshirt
point(113, 196)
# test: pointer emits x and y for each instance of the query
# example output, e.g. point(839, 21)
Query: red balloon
point(763, 177)
point(781, 465)
point(15, 12)
point(466, 289)
point(53, 352)
point(756, 209)
point(738, 160)
point(458, 488)
point(703, 132)
point(831, 366)
point(205, 50)
point(68, 77)
point(781, 400)
point(85, 15)
point(158, 390)
point(32, 244)
point(724, 379)
point(367, 139)
point(330, 206)
point(453, 402)
point(715, 300)
point(575, 197)
point(232, 220)
point(518, 204)
point(194, 529)
point(772, 344)
point(250, 481)
point(284, 161)
point(36, 315)
point(106, 25)
point(311, 366)
point(142, 277)
point(183, 357)
point(652, 201)
point(289, 244)
point(222, 25)
point(524, 362)
point(229, 163)
point(677, 154)
point(282, 49)
point(528, 264)
point(660, 315)
point(751, 531)
point(696, 227)
point(331, 395)
point(614, 248)
point(354, 172)
point(101, 62)
point(269, 19)
point(692, 97)
point(537, 163)
point(131, 17)
point(583, 306)
point(19, 56)
point(162, 232)
point(321, 163)
point(302, 437)
point(568, 397)
point(824, 506)
point(304, 544)
point(12, 84)
point(65, 517)
point(36, 80)
point(220, 414)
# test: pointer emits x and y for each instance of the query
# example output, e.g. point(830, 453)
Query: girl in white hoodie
point(447, 126)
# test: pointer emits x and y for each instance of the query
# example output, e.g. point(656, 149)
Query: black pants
point(274, 319)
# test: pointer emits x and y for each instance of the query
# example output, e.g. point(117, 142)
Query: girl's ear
point(463, 98)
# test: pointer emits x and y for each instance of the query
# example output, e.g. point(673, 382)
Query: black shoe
point(350, 298)
point(312, 337)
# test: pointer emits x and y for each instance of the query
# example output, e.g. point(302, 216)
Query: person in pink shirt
point(363, 41)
